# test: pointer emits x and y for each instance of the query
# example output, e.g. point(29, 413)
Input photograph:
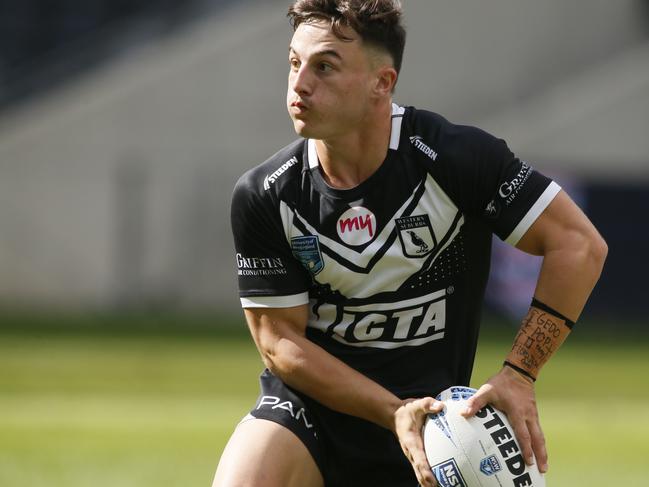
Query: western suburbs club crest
point(307, 250)
point(416, 235)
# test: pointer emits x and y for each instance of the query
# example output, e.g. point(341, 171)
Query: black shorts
point(349, 451)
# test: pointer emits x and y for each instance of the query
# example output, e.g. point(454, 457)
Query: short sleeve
point(517, 197)
point(268, 274)
point(487, 181)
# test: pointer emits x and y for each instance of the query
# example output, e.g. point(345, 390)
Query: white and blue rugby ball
point(477, 452)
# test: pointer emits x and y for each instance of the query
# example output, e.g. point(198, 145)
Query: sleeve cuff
point(541, 204)
point(275, 301)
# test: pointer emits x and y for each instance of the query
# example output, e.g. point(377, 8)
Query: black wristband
point(519, 370)
point(544, 307)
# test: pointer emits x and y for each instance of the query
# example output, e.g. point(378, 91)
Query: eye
point(325, 67)
point(294, 63)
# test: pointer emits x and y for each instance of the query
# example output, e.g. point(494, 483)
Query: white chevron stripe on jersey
point(380, 272)
point(433, 202)
point(406, 303)
point(361, 259)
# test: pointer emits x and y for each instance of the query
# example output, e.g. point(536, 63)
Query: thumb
point(475, 403)
point(430, 405)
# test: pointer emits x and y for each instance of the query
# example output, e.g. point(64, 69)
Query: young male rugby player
point(363, 252)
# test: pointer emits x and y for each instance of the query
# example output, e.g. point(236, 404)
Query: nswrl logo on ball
point(490, 465)
point(448, 474)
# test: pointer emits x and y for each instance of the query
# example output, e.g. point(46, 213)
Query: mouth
point(299, 106)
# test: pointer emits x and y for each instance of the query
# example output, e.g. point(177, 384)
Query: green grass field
point(112, 405)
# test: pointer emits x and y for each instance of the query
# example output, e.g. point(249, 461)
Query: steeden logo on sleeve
point(418, 142)
point(271, 178)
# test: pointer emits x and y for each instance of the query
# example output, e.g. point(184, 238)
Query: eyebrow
point(324, 52)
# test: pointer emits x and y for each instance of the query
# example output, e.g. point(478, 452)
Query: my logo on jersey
point(416, 235)
point(448, 474)
point(271, 178)
point(307, 250)
point(419, 143)
point(357, 226)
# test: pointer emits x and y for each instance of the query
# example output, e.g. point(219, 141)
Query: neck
point(349, 159)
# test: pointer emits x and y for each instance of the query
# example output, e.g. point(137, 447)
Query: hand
point(513, 393)
point(408, 422)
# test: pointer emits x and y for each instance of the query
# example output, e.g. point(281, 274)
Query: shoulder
point(467, 162)
point(268, 178)
point(452, 140)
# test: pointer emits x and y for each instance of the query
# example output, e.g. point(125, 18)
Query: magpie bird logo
point(416, 240)
point(416, 235)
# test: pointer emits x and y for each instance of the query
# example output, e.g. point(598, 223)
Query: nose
point(301, 81)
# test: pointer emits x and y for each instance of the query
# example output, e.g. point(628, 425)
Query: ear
point(386, 78)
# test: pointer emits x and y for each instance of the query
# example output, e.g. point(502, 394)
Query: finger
point(413, 449)
point(436, 406)
point(538, 445)
point(421, 466)
point(414, 446)
point(476, 402)
point(426, 405)
point(425, 476)
point(524, 440)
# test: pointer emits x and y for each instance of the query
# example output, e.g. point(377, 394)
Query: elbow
point(598, 252)
point(282, 357)
point(269, 357)
point(584, 250)
point(589, 251)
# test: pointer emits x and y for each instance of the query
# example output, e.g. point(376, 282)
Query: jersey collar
point(395, 136)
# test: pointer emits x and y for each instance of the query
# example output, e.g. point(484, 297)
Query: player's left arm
point(573, 257)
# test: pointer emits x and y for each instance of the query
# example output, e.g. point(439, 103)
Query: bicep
point(561, 224)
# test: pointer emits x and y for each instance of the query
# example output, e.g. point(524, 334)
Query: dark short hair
point(377, 22)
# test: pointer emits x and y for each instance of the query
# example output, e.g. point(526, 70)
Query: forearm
point(567, 277)
point(310, 369)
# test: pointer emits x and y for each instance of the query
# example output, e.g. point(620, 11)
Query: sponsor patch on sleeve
point(508, 191)
point(260, 266)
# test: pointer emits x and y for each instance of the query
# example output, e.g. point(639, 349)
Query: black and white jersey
point(394, 270)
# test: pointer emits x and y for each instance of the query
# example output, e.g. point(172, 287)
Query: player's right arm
point(279, 334)
point(273, 286)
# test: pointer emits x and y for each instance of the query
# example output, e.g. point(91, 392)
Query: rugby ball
point(477, 452)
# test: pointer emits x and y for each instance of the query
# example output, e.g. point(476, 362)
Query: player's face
point(329, 82)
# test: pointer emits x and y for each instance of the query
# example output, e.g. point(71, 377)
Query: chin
point(303, 130)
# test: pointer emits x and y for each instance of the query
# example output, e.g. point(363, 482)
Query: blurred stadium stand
point(124, 125)
point(43, 44)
